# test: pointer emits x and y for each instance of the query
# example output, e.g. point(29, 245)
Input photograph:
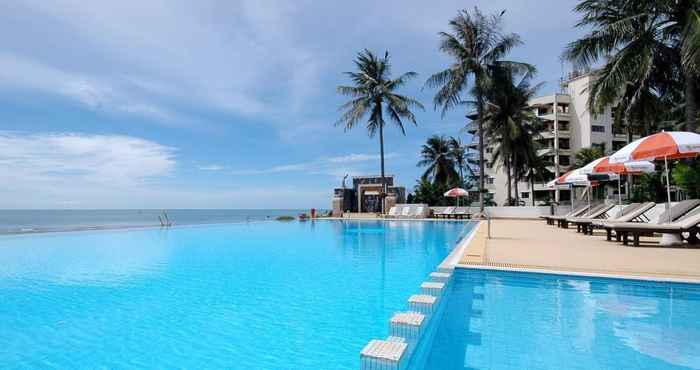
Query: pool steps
point(410, 332)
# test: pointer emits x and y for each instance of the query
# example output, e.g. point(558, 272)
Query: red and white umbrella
point(662, 145)
point(456, 193)
point(603, 166)
point(573, 177)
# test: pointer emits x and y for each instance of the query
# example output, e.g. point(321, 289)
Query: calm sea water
point(59, 220)
point(259, 295)
point(506, 320)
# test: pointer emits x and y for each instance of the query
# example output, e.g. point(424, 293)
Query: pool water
point(266, 295)
point(512, 320)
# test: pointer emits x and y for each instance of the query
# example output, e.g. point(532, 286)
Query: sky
point(221, 104)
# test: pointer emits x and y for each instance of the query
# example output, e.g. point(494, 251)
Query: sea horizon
point(19, 221)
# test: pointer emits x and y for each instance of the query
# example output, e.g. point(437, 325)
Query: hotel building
point(570, 126)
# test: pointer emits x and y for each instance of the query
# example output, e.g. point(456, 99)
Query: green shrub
point(285, 218)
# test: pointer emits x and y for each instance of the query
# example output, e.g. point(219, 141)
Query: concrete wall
point(523, 212)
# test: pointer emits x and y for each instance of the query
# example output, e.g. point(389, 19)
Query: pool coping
point(564, 271)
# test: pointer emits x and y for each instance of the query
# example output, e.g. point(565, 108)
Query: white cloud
point(211, 167)
point(51, 160)
point(238, 57)
point(93, 93)
point(325, 166)
point(352, 158)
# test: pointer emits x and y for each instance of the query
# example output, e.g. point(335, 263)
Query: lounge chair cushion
point(678, 210)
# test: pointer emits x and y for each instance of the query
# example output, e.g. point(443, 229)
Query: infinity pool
point(510, 320)
point(265, 295)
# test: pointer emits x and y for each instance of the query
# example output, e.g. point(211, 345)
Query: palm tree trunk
point(532, 189)
point(381, 158)
point(508, 198)
point(479, 113)
point(515, 180)
point(691, 108)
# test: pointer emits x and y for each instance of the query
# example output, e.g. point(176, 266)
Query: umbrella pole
point(668, 187)
point(589, 196)
point(619, 192)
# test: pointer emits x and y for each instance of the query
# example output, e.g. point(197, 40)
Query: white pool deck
point(532, 245)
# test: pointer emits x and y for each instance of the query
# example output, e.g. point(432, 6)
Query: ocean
point(28, 221)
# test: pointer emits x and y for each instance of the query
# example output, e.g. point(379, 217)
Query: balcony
point(472, 127)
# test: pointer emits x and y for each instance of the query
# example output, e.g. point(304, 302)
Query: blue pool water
point(510, 320)
point(266, 295)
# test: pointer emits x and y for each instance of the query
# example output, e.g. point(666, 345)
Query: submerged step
point(422, 303)
point(407, 325)
point(432, 288)
point(440, 277)
point(382, 354)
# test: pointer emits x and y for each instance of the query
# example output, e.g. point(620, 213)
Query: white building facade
point(570, 126)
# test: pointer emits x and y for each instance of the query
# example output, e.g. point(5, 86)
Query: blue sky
point(219, 104)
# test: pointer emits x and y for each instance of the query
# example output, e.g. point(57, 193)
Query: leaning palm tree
point(374, 93)
point(475, 43)
point(639, 43)
point(437, 156)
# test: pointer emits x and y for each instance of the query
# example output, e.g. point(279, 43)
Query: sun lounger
point(406, 211)
point(687, 223)
point(394, 211)
point(420, 211)
point(583, 222)
point(575, 212)
point(461, 212)
point(635, 212)
point(445, 213)
point(595, 208)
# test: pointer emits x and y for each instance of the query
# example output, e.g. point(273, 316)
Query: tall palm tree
point(475, 43)
point(437, 156)
point(512, 126)
point(640, 43)
point(458, 151)
point(374, 93)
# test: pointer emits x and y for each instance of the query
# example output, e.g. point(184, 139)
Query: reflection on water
point(265, 295)
point(508, 320)
point(99, 257)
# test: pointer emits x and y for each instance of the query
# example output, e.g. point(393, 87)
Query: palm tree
point(437, 157)
point(585, 156)
point(458, 151)
point(640, 42)
point(512, 126)
point(373, 92)
point(475, 43)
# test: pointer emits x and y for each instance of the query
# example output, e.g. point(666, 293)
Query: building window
point(563, 108)
point(489, 180)
point(489, 150)
point(564, 144)
point(563, 126)
point(542, 111)
point(597, 128)
point(564, 160)
point(525, 195)
point(600, 146)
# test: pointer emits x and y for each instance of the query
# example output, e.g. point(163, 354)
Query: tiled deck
point(532, 244)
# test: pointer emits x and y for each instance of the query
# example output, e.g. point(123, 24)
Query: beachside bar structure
point(365, 195)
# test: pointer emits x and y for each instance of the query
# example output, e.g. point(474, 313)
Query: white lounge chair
point(394, 211)
point(406, 211)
